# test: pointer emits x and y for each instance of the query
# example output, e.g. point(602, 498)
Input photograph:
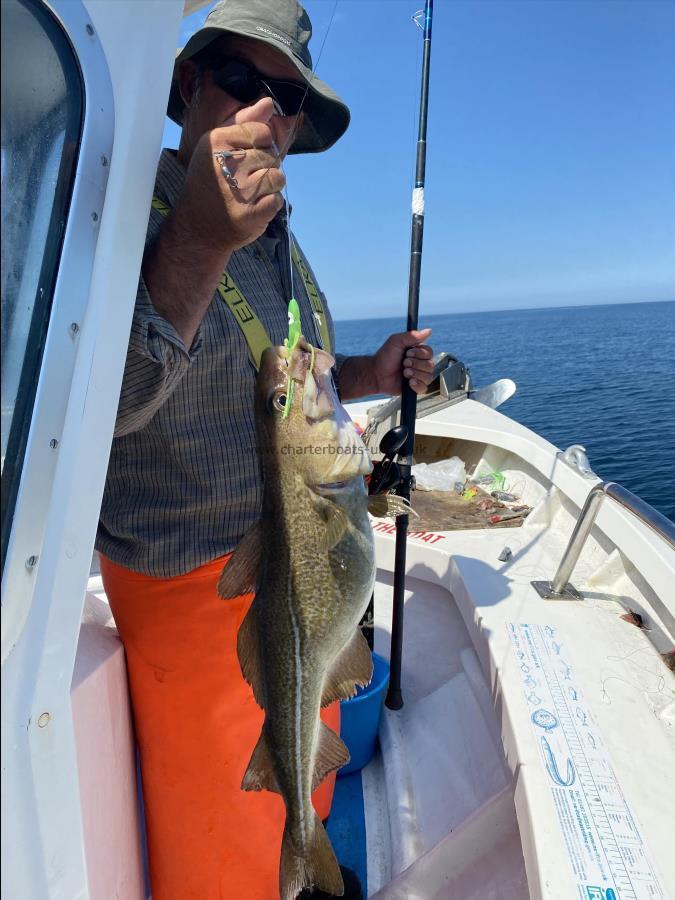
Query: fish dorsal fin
point(249, 654)
point(389, 506)
point(241, 570)
point(259, 774)
point(352, 668)
point(331, 754)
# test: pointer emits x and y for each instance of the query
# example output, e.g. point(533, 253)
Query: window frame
point(33, 481)
point(76, 401)
point(42, 306)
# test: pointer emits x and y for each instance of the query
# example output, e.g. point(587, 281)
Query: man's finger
point(244, 136)
point(418, 382)
point(411, 338)
point(262, 111)
point(419, 352)
point(419, 335)
point(422, 367)
point(264, 182)
point(417, 386)
point(253, 161)
point(269, 206)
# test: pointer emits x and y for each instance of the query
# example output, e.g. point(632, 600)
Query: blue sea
point(600, 376)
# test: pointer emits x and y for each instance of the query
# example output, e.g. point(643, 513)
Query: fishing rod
point(408, 397)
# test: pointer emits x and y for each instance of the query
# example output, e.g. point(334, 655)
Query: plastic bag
point(439, 476)
point(490, 481)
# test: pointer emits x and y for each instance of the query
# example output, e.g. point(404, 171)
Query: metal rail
point(560, 588)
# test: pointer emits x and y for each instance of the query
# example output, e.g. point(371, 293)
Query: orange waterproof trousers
point(196, 726)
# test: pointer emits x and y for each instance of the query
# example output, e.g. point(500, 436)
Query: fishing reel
point(386, 473)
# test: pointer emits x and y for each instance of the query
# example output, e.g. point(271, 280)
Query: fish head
point(300, 421)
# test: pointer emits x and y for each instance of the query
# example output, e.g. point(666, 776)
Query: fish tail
point(318, 868)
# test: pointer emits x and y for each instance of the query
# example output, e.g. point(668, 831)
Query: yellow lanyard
point(313, 294)
point(252, 328)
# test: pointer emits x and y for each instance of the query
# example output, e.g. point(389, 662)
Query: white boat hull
point(459, 801)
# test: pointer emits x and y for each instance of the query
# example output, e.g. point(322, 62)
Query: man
point(183, 484)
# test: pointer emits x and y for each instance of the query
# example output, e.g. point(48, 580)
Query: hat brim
point(325, 116)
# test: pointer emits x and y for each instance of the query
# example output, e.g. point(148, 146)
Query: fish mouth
point(328, 487)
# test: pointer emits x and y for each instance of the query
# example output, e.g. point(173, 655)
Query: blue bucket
point(360, 718)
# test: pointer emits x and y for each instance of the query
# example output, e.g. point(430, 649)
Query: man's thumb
point(262, 112)
point(416, 337)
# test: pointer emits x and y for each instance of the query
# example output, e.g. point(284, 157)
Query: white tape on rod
point(418, 201)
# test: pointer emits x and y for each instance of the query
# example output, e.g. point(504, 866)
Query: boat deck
point(449, 511)
point(441, 763)
point(616, 677)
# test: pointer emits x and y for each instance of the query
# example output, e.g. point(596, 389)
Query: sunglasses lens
point(288, 95)
point(245, 84)
point(239, 81)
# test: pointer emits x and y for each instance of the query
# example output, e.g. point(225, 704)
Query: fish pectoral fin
point(384, 506)
point(331, 754)
point(241, 570)
point(259, 775)
point(316, 867)
point(248, 652)
point(353, 667)
point(336, 524)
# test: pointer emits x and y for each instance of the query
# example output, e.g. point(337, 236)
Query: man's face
point(215, 107)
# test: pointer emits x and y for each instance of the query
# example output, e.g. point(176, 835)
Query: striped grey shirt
point(183, 483)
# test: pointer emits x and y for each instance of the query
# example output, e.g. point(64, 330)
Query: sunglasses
point(245, 84)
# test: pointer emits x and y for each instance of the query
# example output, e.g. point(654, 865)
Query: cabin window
point(42, 114)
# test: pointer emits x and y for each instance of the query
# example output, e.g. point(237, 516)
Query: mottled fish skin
point(316, 575)
point(308, 610)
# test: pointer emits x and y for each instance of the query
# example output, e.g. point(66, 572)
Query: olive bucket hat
point(285, 26)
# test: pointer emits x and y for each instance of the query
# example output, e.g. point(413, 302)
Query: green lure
point(294, 333)
point(294, 326)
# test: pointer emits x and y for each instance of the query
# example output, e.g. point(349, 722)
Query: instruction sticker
point(604, 844)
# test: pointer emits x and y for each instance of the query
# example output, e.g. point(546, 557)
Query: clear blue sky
point(551, 155)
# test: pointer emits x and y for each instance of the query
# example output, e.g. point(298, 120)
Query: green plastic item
point(497, 482)
point(294, 333)
point(294, 326)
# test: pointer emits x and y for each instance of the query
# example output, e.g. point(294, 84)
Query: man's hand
point(213, 218)
point(407, 348)
point(211, 207)
point(381, 373)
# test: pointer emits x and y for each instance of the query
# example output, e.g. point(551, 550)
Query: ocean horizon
point(600, 375)
point(480, 312)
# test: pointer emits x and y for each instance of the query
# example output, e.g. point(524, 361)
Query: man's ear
point(188, 77)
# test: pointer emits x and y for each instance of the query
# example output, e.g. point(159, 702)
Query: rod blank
point(408, 397)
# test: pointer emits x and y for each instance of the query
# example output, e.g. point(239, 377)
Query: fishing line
point(626, 648)
point(293, 132)
point(517, 488)
point(636, 686)
point(289, 141)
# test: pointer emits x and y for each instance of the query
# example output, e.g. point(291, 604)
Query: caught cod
point(310, 560)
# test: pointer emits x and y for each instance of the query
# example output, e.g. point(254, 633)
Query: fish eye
point(279, 401)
